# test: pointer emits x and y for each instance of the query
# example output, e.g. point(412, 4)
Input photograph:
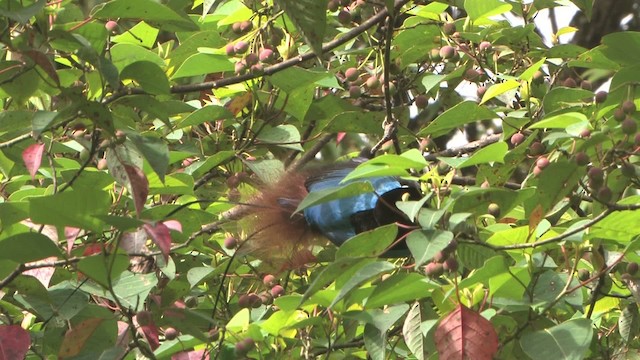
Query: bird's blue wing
point(333, 218)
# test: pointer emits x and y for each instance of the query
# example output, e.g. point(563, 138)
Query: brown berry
point(251, 59)
point(570, 83)
point(471, 75)
point(601, 96)
point(170, 333)
point(111, 26)
point(244, 301)
point(269, 280)
point(440, 257)
point(230, 50)
point(333, 5)
point(632, 268)
point(485, 46)
point(244, 346)
point(266, 298)
point(450, 265)
point(628, 169)
point(448, 52)
point(448, 28)
point(246, 26)
point(254, 301)
point(354, 91)
point(241, 47)
point(583, 275)
point(619, 114)
point(235, 27)
point(421, 101)
point(233, 181)
point(351, 74)
point(585, 133)
point(277, 290)
point(230, 242)
point(536, 148)
point(604, 194)
point(494, 210)
point(344, 17)
point(517, 139)
point(629, 126)
point(266, 55)
point(582, 159)
point(542, 162)
point(144, 318)
point(434, 269)
point(629, 107)
point(586, 85)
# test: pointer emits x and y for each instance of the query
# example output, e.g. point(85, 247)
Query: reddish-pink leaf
point(124, 335)
point(76, 338)
point(43, 274)
point(340, 136)
point(173, 225)
point(160, 235)
point(150, 333)
point(139, 186)
point(191, 355)
point(14, 342)
point(465, 334)
point(32, 157)
point(71, 233)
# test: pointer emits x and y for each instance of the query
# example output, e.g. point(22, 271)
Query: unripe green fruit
point(494, 210)
point(435, 54)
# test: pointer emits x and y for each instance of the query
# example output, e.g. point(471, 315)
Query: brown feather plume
point(274, 233)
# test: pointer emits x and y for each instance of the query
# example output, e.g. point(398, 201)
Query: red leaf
point(139, 186)
point(160, 235)
point(150, 333)
point(32, 157)
point(465, 334)
point(340, 136)
point(76, 338)
point(173, 225)
point(14, 342)
point(191, 355)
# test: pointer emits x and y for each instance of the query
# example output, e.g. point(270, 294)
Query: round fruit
point(266, 298)
point(485, 46)
point(251, 59)
point(269, 280)
point(570, 83)
point(277, 291)
point(144, 318)
point(244, 301)
point(246, 26)
point(538, 76)
point(632, 268)
point(517, 139)
point(213, 334)
point(235, 27)
point(230, 50)
point(542, 162)
point(582, 159)
point(440, 257)
point(434, 269)
point(345, 2)
point(435, 54)
point(471, 75)
point(585, 133)
point(244, 346)
point(421, 101)
point(344, 17)
point(494, 210)
point(170, 333)
point(255, 301)
point(102, 164)
point(586, 85)
point(266, 55)
point(619, 114)
point(257, 69)
point(241, 47)
point(536, 148)
point(583, 275)
point(629, 126)
point(373, 82)
point(351, 74)
point(595, 173)
point(230, 242)
point(628, 170)
point(354, 91)
point(333, 5)
point(233, 181)
point(451, 247)
point(451, 265)
point(449, 28)
point(604, 194)
point(601, 96)
point(240, 67)
point(536, 171)
point(448, 52)
point(111, 26)
point(629, 107)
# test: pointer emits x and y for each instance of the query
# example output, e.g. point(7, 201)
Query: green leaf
point(499, 89)
point(477, 200)
point(267, 170)
point(149, 75)
point(629, 322)
point(286, 136)
point(424, 244)
point(104, 269)
point(622, 47)
point(400, 287)
point(310, 18)
point(411, 330)
point(27, 247)
point(558, 181)
point(147, 10)
point(198, 169)
point(131, 289)
point(489, 154)
point(154, 150)
point(363, 274)
point(80, 209)
point(205, 114)
point(569, 340)
point(123, 55)
point(410, 159)
point(202, 64)
point(369, 243)
point(528, 74)
point(374, 342)
point(478, 9)
point(21, 14)
point(140, 34)
point(461, 114)
point(331, 272)
point(340, 192)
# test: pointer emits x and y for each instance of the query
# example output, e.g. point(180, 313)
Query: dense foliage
point(131, 130)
